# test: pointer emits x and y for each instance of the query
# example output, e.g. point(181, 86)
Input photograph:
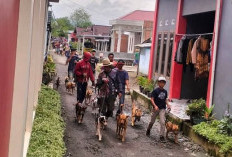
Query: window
point(163, 53)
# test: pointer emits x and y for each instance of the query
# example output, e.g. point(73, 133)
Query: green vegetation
point(61, 26)
point(49, 70)
point(80, 18)
point(48, 128)
point(211, 131)
point(199, 112)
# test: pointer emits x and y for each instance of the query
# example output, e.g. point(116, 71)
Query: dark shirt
point(93, 61)
point(123, 76)
point(160, 95)
point(72, 64)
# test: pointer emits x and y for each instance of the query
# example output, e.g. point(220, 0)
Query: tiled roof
point(94, 30)
point(139, 15)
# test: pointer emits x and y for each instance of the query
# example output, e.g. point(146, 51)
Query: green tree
point(61, 26)
point(80, 18)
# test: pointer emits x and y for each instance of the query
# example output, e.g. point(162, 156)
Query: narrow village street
point(81, 140)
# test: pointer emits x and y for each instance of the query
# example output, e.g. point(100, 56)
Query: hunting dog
point(136, 114)
point(172, 128)
point(80, 112)
point(122, 121)
point(101, 123)
point(57, 82)
point(94, 106)
point(70, 86)
point(88, 96)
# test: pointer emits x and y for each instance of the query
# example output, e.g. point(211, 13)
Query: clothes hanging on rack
point(192, 50)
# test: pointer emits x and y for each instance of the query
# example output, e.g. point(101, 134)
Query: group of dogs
point(122, 119)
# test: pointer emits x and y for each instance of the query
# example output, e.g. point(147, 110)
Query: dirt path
point(81, 140)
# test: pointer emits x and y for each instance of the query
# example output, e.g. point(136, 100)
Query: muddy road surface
point(81, 139)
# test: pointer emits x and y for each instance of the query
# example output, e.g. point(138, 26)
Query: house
point(24, 29)
point(99, 35)
point(130, 30)
point(174, 19)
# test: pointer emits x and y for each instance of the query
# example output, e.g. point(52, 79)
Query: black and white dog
point(101, 123)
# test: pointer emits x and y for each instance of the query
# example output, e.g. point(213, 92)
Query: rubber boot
point(149, 129)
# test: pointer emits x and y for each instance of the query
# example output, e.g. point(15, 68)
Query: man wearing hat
point(83, 73)
point(110, 86)
point(71, 61)
point(159, 102)
point(124, 78)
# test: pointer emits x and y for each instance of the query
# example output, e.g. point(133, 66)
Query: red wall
point(8, 40)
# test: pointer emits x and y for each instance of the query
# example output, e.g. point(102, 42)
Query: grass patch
point(48, 127)
point(210, 131)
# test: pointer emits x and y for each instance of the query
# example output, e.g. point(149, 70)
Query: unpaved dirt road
point(81, 140)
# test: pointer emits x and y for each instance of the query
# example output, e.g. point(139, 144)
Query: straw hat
point(106, 62)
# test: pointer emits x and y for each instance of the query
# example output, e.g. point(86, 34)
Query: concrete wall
point(167, 15)
point(223, 78)
point(24, 33)
point(198, 6)
point(143, 60)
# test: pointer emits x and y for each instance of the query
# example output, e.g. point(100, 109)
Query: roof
point(99, 30)
point(144, 45)
point(139, 15)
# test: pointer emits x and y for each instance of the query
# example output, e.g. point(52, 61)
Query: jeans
point(81, 91)
point(121, 101)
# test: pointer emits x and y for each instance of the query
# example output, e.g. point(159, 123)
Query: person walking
point(124, 78)
point(93, 61)
point(112, 61)
point(83, 73)
point(109, 86)
point(159, 102)
point(72, 61)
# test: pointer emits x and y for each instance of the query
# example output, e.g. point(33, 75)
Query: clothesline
point(194, 34)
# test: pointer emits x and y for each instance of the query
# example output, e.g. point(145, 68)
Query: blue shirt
point(123, 76)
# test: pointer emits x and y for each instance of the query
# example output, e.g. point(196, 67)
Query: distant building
point(99, 35)
point(130, 30)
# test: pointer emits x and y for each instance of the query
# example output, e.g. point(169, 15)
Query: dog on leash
point(136, 114)
point(122, 121)
point(88, 96)
point(80, 112)
point(57, 82)
point(70, 86)
point(172, 128)
point(94, 106)
point(101, 123)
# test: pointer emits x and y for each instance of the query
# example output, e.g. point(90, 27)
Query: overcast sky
point(102, 11)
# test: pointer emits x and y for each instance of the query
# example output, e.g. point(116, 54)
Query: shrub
point(210, 130)
point(48, 127)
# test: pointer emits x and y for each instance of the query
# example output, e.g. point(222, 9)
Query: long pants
point(81, 91)
point(121, 101)
point(107, 105)
point(161, 114)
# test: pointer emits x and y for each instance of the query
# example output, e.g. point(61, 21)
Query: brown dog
point(172, 128)
point(70, 86)
point(101, 123)
point(88, 96)
point(80, 112)
point(121, 126)
point(136, 114)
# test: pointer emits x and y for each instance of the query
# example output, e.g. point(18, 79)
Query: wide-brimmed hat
point(106, 62)
point(73, 49)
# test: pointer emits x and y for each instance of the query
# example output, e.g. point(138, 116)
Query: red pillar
point(150, 71)
point(9, 13)
point(211, 72)
point(177, 69)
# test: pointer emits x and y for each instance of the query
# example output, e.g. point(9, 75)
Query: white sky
point(102, 11)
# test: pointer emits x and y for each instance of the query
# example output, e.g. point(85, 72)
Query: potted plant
point(141, 82)
point(196, 111)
